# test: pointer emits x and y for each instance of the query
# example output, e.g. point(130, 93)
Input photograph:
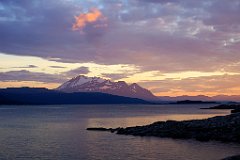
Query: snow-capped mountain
point(95, 84)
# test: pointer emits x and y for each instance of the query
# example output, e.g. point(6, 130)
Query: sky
point(171, 47)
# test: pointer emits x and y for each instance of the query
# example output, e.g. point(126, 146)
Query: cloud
point(115, 76)
point(171, 33)
point(91, 17)
point(205, 85)
point(161, 36)
point(29, 66)
point(24, 75)
point(57, 67)
point(76, 72)
point(32, 66)
point(160, 1)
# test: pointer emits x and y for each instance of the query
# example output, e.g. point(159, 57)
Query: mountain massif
point(95, 84)
point(95, 90)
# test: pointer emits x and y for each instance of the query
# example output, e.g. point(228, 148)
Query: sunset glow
point(83, 19)
point(170, 47)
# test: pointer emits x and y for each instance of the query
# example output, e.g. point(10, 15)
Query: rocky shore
point(221, 128)
point(235, 108)
point(233, 158)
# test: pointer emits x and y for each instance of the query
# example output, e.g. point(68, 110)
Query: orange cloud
point(33, 84)
point(85, 18)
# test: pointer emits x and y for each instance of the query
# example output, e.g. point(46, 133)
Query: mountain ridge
point(43, 96)
point(234, 98)
point(96, 84)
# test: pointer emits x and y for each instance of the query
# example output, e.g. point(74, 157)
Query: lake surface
point(58, 133)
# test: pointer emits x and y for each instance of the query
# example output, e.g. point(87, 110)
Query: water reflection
point(144, 120)
point(58, 133)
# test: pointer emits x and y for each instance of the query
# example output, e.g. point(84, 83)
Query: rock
point(221, 128)
point(103, 129)
point(99, 129)
point(232, 158)
point(225, 106)
point(235, 110)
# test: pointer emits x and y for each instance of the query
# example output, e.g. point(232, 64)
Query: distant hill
point(96, 84)
point(234, 98)
point(183, 98)
point(194, 102)
point(42, 96)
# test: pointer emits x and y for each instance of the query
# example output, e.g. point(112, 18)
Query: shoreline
point(237, 157)
point(220, 128)
point(235, 108)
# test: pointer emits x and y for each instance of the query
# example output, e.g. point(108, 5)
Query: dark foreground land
point(235, 108)
point(221, 128)
point(233, 158)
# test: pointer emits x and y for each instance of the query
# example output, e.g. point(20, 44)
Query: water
point(58, 133)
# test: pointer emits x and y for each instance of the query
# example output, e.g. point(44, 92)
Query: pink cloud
point(91, 17)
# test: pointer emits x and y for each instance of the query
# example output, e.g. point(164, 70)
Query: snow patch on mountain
point(96, 84)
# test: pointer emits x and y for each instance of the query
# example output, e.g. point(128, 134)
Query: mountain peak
point(83, 83)
point(134, 85)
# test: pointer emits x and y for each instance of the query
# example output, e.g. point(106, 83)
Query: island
point(235, 108)
point(194, 102)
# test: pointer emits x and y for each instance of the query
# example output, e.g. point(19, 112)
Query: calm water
point(58, 133)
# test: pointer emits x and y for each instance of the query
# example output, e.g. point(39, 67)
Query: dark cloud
point(76, 72)
point(25, 75)
point(160, 1)
point(29, 66)
point(223, 13)
point(163, 35)
point(57, 67)
point(116, 76)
